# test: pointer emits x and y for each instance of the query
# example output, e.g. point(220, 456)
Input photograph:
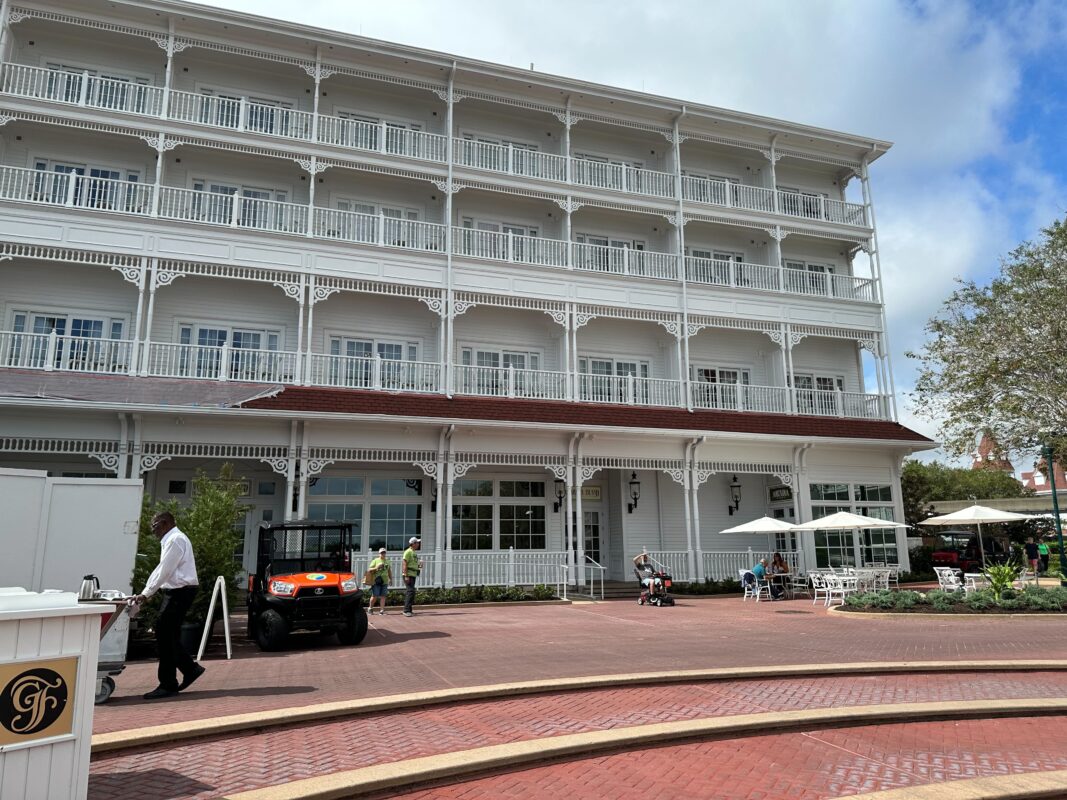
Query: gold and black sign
point(780, 494)
point(37, 699)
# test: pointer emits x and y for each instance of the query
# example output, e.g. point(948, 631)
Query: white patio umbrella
point(765, 525)
point(846, 520)
point(975, 515)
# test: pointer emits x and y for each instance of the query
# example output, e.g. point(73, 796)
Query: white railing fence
point(81, 88)
point(374, 372)
point(503, 568)
point(629, 390)
point(740, 397)
point(510, 382)
point(430, 575)
point(724, 564)
point(509, 247)
point(674, 562)
point(55, 352)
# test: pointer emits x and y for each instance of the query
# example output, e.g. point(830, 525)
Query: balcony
point(86, 90)
point(769, 278)
point(53, 352)
point(72, 190)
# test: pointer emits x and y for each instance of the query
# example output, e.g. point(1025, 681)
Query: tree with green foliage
point(922, 484)
point(994, 360)
point(209, 520)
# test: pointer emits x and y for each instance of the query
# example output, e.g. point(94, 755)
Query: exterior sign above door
point(591, 493)
point(780, 494)
point(37, 700)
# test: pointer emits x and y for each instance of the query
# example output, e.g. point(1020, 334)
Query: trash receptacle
point(48, 659)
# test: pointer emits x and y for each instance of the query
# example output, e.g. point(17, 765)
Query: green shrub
point(542, 592)
point(906, 598)
point(1012, 603)
point(943, 601)
point(493, 594)
point(1001, 577)
point(515, 593)
point(980, 600)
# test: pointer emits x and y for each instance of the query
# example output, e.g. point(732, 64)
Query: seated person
point(779, 565)
point(760, 571)
point(645, 571)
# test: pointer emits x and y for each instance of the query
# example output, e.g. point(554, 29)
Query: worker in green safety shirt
point(412, 567)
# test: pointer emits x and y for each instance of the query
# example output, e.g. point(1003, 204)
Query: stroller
point(654, 582)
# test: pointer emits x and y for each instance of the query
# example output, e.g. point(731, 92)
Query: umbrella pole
point(981, 547)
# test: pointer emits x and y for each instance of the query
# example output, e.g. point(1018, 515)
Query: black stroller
point(654, 582)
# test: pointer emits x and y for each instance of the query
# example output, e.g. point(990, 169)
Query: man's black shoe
point(159, 693)
point(187, 680)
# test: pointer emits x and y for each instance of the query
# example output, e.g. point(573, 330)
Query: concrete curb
point(1023, 786)
point(837, 611)
point(418, 771)
point(260, 720)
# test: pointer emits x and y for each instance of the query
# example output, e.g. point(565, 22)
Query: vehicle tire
point(103, 694)
point(355, 627)
point(271, 630)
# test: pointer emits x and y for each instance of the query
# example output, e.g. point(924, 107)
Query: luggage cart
point(114, 635)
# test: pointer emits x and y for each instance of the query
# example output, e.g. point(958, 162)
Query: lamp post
point(1050, 465)
point(735, 495)
point(635, 493)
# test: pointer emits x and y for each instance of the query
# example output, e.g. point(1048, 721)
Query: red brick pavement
point(811, 765)
point(207, 768)
point(445, 648)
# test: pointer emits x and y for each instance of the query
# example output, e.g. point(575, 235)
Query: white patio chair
point(949, 579)
point(818, 587)
point(753, 586)
point(840, 586)
point(894, 575)
point(799, 584)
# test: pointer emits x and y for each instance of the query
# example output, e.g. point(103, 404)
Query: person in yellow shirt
point(412, 567)
point(383, 576)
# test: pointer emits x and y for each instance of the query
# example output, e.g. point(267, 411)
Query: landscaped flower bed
point(1030, 600)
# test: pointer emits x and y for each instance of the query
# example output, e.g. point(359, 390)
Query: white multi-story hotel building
point(434, 296)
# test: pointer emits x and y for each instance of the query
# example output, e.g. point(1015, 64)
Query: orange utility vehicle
point(304, 581)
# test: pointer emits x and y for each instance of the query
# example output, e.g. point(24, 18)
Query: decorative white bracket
point(321, 293)
point(317, 465)
point(429, 468)
point(130, 274)
point(279, 465)
point(163, 277)
point(673, 327)
point(581, 319)
point(150, 462)
point(559, 470)
point(294, 291)
point(435, 304)
point(585, 473)
point(460, 307)
point(461, 468)
point(677, 475)
point(109, 461)
point(701, 475)
point(314, 169)
point(569, 204)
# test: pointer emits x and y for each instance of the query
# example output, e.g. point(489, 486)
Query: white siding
point(104, 51)
point(828, 357)
point(484, 207)
point(515, 125)
point(511, 329)
point(369, 316)
point(27, 142)
point(381, 101)
point(186, 164)
point(197, 68)
point(621, 340)
point(800, 176)
point(651, 151)
point(337, 184)
point(718, 347)
point(40, 286)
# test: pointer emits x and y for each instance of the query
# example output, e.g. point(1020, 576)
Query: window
point(251, 353)
point(392, 524)
point(499, 154)
point(606, 253)
point(808, 278)
point(86, 342)
point(468, 487)
point(839, 548)
point(339, 486)
point(829, 491)
point(801, 203)
point(817, 394)
point(879, 544)
point(365, 132)
point(705, 188)
point(522, 489)
point(489, 376)
point(264, 488)
point(606, 380)
point(876, 493)
point(337, 512)
point(396, 487)
point(177, 487)
point(522, 527)
point(353, 363)
point(472, 527)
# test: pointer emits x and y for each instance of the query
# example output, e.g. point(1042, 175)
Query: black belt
point(181, 588)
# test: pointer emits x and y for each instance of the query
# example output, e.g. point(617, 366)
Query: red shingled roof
point(348, 401)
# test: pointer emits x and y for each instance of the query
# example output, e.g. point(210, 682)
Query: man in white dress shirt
point(176, 578)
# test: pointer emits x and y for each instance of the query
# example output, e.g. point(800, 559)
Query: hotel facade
point(538, 322)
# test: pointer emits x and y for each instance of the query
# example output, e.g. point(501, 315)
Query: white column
point(146, 346)
point(698, 550)
point(773, 158)
point(448, 521)
point(157, 190)
point(318, 92)
point(290, 471)
point(449, 319)
point(569, 526)
point(439, 524)
point(442, 348)
point(684, 332)
point(310, 330)
point(136, 337)
point(168, 77)
point(576, 389)
point(689, 546)
point(567, 234)
point(302, 504)
point(876, 270)
point(299, 377)
point(5, 30)
point(567, 141)
point(312, 176)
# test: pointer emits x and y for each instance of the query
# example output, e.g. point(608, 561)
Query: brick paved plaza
point(458, 647)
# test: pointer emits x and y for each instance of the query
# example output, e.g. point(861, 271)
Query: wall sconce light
point(635, 493)
point(735, 495)
point(561, 492)
point(433, 498)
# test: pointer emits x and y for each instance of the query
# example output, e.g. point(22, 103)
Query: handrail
point(594, 565)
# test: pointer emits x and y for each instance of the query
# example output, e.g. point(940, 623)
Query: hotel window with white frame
point(256, 206)
point(805, 277)
point(489, 370)
point(706, 188)
point(364, 132)
point(498, 514)
point(802, 202)
point(222, 108)
point(719, 267)
point(251, 352)
point(104, 89)
point(498, 154)
point(606, 380)
point(839, 548)
point(95, 186)
point(352, 362)
point(817, 394)
point(604, 253)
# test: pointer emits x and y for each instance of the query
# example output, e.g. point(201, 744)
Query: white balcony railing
point(52, 351)
point(776, 279)
point(359, 372)
point(77, 191)
point(740, 397)
point(821, 208)
point(504, 568)
point(728, 195)
point(230, 209)
point(81, 88)
point(625, 261)
point(240, 115)
point(726, 564)
point(379, 137)
point(221, 363)
point(510, 382)
point(629, 390)
point(509, 160)
point(826, 403)
point(509, 247)
point(622, 178)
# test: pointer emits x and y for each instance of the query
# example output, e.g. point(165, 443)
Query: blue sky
point(974, 95)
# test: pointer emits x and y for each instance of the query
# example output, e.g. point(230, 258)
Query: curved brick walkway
point(207, 768)
point(445, 648)
point(811, 765)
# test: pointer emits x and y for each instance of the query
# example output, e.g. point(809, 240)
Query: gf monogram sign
point(36, 700)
